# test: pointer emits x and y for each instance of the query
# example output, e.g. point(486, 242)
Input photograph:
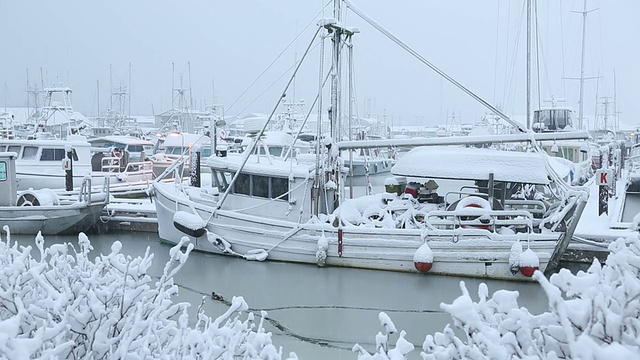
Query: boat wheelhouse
point(39, 163)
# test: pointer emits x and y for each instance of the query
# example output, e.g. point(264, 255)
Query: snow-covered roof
point(22, 114)
point(472, 164)
point(126, 140)
point(277, 167)
point(184, 139)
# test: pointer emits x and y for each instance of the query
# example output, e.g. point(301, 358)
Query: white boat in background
point(124, 160)
point(177, 145)
point(46, 211)
point(578, 153)
point(39, 163)
point(365, 162)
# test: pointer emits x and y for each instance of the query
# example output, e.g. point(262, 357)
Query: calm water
point(318, 313)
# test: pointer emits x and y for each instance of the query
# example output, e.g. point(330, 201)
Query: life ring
point(117, 152)
point(473, 202)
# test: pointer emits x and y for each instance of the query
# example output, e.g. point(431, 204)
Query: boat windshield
point(553, 119)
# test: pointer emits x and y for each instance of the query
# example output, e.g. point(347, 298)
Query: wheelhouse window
point(280, 186)
point(135, 148)
point(14, 148)
point(260, 186)
point(29, 152)
point(243, 184)
point(55, 155)
point(3, 170)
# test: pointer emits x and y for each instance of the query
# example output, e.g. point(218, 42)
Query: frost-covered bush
point(62, 305)
point(592, 315)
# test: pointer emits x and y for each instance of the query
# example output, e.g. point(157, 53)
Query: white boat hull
point(51, 220)
point(369, 248)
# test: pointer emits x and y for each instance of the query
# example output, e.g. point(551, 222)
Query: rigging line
point(542, 53)
point(432, 66)
point(304, 122)
point(564, 89)
point(495, 64)
point(252, 147)
point(270, 86)
point(506, 57)
point(600, 31)
point(279, 55)
point(511, 71)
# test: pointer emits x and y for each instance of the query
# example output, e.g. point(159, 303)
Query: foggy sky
point(231, 42)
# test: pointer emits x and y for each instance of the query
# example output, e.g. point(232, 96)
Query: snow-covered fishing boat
point(269, 213)
point(510, 218)
point(46, 211)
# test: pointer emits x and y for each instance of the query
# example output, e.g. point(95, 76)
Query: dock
point(130, 214)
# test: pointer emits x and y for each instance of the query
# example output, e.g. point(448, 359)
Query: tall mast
point(615, 102)
point(129, 94)
point(584, 32)
point(110, 88)
point(173, 86)
point(29, 89)
point(98, 96)
point(529, 64)
point(190, 92)
point(335, 80)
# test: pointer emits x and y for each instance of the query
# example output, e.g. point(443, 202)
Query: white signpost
point(605, 177)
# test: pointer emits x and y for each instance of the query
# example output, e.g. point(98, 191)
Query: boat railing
point(83, 194)
point(114, 164)
point(474, 219)
point(139, 167)
point(536, 207)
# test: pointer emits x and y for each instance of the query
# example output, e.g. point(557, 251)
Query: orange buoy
point(528, 270)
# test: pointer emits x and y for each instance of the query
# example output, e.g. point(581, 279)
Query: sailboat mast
point(110, 89)
point(584, 33)
point(615, 103)
point(529, 64)
point(98, 97)
point(129, 93)
point(335, 85)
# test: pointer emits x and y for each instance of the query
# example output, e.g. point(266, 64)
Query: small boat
point(125, 161)
point(49, 212)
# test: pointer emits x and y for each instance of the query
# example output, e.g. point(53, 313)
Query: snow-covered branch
point(65, 306)
point(592, 315)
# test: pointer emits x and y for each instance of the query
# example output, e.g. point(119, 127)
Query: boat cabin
point(123, 150)
point(552, 119)
point(46, 151)
point(262, 188)
point(506, 179)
